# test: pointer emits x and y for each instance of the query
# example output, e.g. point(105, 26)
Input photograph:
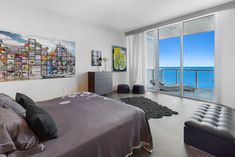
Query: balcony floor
point(199, 94)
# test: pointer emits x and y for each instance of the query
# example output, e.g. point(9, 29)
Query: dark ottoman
point(123, 88)
point(138, 89)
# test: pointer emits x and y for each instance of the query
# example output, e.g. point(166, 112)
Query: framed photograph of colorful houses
point(25, 57)
point(119, 58)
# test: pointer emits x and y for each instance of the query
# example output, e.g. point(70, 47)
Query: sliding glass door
point(150, 61)
point(169, 59)
point(183, 56)
point(199, 44)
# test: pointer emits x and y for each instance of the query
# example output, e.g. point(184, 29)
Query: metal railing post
point(196, 79)
point(176, 76)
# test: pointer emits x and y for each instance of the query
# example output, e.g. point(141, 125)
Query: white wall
point(225, 40)
point(33, 20)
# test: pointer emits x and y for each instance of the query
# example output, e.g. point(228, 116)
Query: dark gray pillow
point(7, 102)
point(41, 122)
point(23, 100)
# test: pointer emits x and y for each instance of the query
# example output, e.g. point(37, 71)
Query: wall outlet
point(69, 90)
point(65, 90)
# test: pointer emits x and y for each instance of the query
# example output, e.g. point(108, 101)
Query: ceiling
point(125, 15)
point(200, 25)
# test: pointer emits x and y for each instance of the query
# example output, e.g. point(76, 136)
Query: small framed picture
point(96, 58)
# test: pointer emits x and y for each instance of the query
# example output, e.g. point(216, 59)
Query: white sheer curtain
point(136, 50)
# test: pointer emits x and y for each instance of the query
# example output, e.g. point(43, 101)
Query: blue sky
point(198, 50)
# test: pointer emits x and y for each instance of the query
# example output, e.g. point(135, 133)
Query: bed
point(90, 125)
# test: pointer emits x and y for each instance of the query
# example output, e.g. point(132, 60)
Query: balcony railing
point(177, 74)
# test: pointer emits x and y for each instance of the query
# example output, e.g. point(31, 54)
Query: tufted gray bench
point(212, 129)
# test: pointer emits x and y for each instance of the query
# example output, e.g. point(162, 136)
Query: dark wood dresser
point(100, 82)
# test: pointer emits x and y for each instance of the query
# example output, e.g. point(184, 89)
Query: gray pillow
point(16, 136)
point(7, 102)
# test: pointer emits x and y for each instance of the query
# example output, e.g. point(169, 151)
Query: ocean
point(205, 76)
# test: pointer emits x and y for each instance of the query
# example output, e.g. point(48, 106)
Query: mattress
point(90, 125)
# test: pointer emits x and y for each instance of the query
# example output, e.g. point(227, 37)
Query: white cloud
point(50, 43)
point(4, 37)
point(9, 41)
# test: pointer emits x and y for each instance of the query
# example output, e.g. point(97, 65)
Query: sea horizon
point(187, 67)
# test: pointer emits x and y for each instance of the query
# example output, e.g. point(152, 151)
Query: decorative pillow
point(16, 136)
point(24, 100)
point(7, 102)
point(41, 122)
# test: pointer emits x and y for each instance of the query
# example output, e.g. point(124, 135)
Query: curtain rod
point(225, 6)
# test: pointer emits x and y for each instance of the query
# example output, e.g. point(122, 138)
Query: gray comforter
point(94, 126)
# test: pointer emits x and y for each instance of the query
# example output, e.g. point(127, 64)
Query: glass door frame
point(156, 69)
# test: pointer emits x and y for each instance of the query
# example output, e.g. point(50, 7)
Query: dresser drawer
point(103, 75)
point(103, 82)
